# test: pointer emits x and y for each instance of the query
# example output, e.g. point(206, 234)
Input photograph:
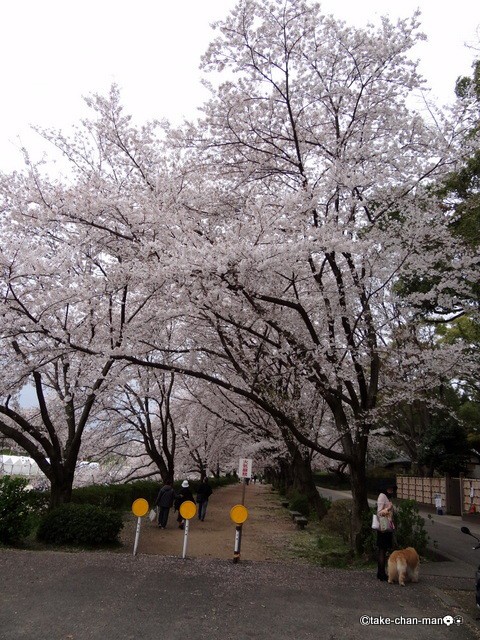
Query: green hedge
point(17, 508)
point(409, 526)
point(338, 520)
point(80, 524)
point(299, 502)
point(115, 496)
point(121, 496)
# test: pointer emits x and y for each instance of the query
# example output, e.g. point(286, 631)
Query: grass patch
point(321, 547)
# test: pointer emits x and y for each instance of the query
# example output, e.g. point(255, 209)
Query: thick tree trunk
point(358, 480)
point(61, 490)
point(304, 483)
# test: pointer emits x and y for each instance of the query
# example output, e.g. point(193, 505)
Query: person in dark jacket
point(203, 494)
point(164, 501)
point(184, 495)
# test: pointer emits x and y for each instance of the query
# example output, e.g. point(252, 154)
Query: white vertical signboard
point(245, 468)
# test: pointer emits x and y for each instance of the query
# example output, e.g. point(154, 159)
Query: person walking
point(184, 494)
point(203, 494)
point(385, 536)
point(164, 502)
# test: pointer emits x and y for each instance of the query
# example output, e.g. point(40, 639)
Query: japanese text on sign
point(245, 468)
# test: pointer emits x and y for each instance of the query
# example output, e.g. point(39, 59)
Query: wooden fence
point(422, 490)
point(471, 495)
point(459, 496)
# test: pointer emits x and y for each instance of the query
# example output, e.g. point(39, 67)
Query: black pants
point(163, 516)
point(384, 544)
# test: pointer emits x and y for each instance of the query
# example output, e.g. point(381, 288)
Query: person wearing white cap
point(183, 495)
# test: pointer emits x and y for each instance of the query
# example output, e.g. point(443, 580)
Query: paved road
point(48, 595)
point(103, 596)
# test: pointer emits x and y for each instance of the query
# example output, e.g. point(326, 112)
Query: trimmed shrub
point(338, 519)
point(121, 496)
point(16, 510)
point(298, 502)
point(80, 524)
point(410, 527)
point(368, 536)
point(114, 496)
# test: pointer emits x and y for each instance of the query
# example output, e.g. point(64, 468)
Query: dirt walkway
point(266, 534)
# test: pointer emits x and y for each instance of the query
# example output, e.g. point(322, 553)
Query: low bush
point(121, 496)
point(80, 524)
point(17, 507)
point(409, 530)
point(410, 527)
point(298, 502)
point(368, 536)
point(338, 519)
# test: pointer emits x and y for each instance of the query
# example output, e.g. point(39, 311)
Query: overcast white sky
point(54, 52)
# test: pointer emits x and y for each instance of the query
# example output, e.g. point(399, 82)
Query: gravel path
point(266, 534)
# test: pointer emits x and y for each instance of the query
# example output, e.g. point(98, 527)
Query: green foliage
point(16, 510)
point(116, 496)
point(338, 520)
point(444, 447)
point(80, 524)
point(409, 530)
point(299, 502)
point(368, 536)
point(465, 84)
point(410, 527)
point(332, 480)
point(121, 496)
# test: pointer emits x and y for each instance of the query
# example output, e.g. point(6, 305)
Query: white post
point(137, 536)
point(238, 542)
point(185, 538)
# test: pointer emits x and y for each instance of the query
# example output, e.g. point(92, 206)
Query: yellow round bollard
point(238, 514)
point(140, 507)
point(188, 509)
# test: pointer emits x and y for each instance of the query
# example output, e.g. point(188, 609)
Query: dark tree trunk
point(61, 491)
point(304, 483)
point(358, 480)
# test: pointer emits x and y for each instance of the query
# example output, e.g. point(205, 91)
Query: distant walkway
point(266, 533)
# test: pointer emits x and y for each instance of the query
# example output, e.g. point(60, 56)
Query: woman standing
point(385, 538)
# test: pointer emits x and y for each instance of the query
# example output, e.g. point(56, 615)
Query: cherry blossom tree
point(67, 297)
point(319, 209)
point(137, 423)
point(222, 427)
point(292, 235)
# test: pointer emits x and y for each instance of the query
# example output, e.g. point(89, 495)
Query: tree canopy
point(280, 249)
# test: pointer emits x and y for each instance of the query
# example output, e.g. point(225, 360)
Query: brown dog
point(403, 565)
